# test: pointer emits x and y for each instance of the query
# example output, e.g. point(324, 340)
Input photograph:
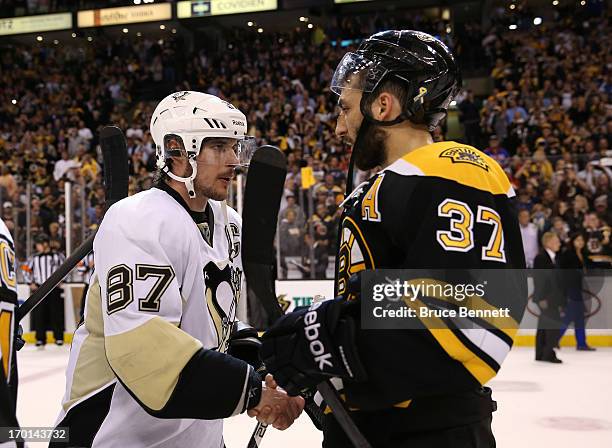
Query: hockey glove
point(311, 345)
point(244, 344)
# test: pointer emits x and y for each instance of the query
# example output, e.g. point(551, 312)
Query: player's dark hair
point(396, 88)
point(160, 175)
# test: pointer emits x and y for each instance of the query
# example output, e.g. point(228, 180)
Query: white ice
point(540, 405)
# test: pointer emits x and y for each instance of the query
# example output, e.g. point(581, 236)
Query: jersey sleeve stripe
point(456, 346)
point(149, 359)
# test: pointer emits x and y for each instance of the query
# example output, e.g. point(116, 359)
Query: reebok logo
point(311, 331)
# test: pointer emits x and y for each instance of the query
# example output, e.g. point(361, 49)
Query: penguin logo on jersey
point(222, 294)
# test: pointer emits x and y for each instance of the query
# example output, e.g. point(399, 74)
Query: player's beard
point(213, 193)
point(370, 147)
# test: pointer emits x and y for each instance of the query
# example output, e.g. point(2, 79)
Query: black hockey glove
point(244, 344)
point(311, 345)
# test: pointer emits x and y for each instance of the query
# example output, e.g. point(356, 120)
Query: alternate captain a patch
point(464, 154)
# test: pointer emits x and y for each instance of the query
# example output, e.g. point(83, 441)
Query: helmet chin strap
point(188, 181)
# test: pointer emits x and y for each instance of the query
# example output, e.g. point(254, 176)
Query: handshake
point(275, 407)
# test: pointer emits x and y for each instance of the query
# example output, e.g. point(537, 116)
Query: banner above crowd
point(35, 24)
point(202, 8)
point(124, 15)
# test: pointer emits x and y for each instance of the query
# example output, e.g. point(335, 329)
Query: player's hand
point(275, 407)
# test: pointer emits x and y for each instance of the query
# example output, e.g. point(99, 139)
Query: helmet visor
point(357, 72)
point(246, 149)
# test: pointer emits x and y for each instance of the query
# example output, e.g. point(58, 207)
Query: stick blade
point(116, 174)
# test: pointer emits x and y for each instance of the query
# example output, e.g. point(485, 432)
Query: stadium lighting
point(162, 27)
point(173, 30)
point(582, 3)
point(555, 2)
point(139, 34)
point(14, 101)
point(453, 103)
point(448, 29)
point(537, 21)
point(249, 23)
point(512, 27)
point(137, 2)
point(310, 26)
point(55, 41)
point(125, 30)
point(89, 38)
point(39, 38)
point(73, 34)
point(303, 19)
point(512, 6)
point(260, 30)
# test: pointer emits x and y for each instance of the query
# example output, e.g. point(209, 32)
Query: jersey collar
point(204, 220)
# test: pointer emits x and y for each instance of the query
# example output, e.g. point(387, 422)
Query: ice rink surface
point(540, 405)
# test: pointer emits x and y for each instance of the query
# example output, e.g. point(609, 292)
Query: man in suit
point(548, 295)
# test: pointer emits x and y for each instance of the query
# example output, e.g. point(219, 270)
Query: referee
point(49, 314)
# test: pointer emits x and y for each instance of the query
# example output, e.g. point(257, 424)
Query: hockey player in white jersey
point(151, 365)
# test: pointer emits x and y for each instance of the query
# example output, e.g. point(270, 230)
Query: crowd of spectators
point(547, 122)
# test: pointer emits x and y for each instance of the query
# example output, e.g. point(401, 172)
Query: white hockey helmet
point(191, 117)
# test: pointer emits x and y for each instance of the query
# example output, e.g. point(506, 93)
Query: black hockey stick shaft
point(116, 179)
point(263, 192)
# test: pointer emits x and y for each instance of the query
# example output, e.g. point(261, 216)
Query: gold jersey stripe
point(92, 370)
point(6, 336)
point(479, 369)
point(444, 160)
point(149, 359)
point(508, 325)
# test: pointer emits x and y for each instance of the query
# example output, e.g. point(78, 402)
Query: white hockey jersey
point(157, 316)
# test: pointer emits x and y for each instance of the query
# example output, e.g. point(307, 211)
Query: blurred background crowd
point(547, 119)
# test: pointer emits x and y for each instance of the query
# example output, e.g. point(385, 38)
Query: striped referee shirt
point(42, 265)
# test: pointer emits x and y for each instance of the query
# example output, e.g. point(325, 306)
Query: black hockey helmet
point(420, 61)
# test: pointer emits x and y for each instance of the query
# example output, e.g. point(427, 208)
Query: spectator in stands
point(469, 116)
point(529, 234)
point(597, 237)
point(8, 184)
point(65, 167)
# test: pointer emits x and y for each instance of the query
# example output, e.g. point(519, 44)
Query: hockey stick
point(262, 196)
point(116, 178)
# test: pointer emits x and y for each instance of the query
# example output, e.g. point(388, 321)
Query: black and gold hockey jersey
point(8, 303)
point(441, 206)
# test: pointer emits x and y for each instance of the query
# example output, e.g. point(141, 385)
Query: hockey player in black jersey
point(8, 367)
point(431, 205)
